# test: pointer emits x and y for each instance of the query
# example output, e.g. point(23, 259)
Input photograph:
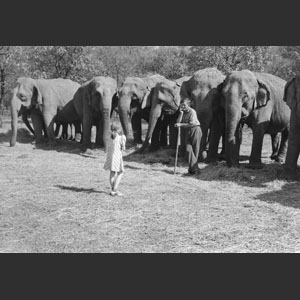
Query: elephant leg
point(136, 124)
point(99, 134)
point(71, 137)
point(38, 125)
point(26, 122)
point(214, 140)
point(72, 131)
point(239, 138)
point(222, 135)
point(163, 135)
point(86, 131)
point(145, 114)
point(155, 136)
point(257, 143)
point(57, 129)
point(78, 131)
point(49, 118)
point(275, 138)
point(103, 131)
point(283, 146)
point(293, 148)
point(221, 155)
point(203, 142)
point(65, 131)
point(173, 132)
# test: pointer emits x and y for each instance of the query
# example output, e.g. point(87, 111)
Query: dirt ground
point(56, 199)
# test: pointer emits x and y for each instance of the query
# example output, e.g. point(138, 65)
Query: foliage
point(228, 58)
point(81, 63)
point(55, 61)
point(121, 61)
point(167, 61)
point(285, 61)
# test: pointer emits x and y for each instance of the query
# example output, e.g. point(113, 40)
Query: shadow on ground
point(289, 195)
point(242, 175)
point(23, 136)
point(212, 172)
point(165, 156)
point(65, 146)
point(80, 190)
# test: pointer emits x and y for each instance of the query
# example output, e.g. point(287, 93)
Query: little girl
point(114, 158)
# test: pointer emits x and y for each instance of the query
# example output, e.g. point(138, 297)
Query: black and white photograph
point(146, 149)
point(165, 140)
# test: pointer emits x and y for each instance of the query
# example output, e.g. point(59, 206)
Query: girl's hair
point(115, 130)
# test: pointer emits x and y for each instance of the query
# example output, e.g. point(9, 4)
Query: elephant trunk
point(124, 109)
point(106, 125)
point(293, 144)
point(232, 134)
point(155, 113)
point(14, 118)
point(14, 126)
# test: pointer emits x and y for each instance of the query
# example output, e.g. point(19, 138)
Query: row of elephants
point(224, 103)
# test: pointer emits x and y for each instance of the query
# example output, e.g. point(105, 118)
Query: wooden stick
point(177, 148)
point(178, 139)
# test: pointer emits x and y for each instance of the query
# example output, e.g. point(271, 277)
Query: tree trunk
point(2, 90)
point(2, 80)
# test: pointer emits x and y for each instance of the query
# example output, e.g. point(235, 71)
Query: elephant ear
point(220, 87)
point(89, 92)
point(292, 95)
point(37, 98)
point(184, 93)
point(114, 102)
point(215, 98)
point(219, 98)
point(263, 94)
point(176, 94)
point(289, 89)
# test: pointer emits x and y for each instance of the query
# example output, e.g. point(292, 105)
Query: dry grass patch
point(57, 200)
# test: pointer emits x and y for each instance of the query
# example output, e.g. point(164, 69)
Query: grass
point(57, 200)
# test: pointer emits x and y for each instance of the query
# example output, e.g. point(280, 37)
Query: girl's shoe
point(112, 193)
point(119, 193)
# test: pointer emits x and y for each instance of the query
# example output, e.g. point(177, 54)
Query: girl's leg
point(119, 176)
point(112, 176)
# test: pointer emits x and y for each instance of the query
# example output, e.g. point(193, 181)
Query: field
point(56, 199)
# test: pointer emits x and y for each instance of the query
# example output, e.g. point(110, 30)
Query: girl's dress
point(114, 158)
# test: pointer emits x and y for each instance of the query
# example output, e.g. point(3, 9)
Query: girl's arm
point(123, 142)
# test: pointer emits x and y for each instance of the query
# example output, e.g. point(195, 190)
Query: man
point(192, 132)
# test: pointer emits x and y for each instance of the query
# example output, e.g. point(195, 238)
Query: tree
point(228, 58)
point(167, 61)
point(54, 61)
point(4, 57)
point(120, 61)
point(286, 61)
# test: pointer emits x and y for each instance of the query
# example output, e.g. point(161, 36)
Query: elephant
point(133, 101)
point(25, 113)
point(18, 110)
point(201, 89)
point(255, 99)
point(292, 99)
point(165, 100)
point(42, 98)
point(92, 104)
